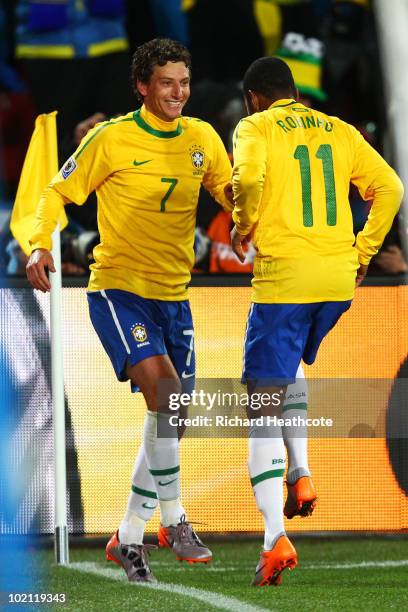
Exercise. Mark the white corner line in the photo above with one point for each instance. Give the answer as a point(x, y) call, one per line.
point(222, 602)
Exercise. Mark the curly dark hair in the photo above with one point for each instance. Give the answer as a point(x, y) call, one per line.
point(156, 52)
point(269, 76)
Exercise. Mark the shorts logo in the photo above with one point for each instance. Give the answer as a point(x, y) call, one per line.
point(68, 168)
point(139, 332)
point(197, 158)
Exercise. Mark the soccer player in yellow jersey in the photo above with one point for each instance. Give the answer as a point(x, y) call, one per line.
point(146, 168)
point(292, 171)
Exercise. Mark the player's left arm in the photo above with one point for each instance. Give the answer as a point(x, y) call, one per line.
point(248, 175)
point(217, 179)
point(375, 180)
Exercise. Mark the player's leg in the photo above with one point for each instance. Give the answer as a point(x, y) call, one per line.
point(325, 316)
point(301, 498)
point(142, 502)
point(295, 435)
point(126, 328)
point(161, 444)
point(266, 365)
point(266, 464)
point(179, 340)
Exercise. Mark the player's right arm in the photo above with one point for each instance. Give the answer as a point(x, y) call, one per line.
point(46, 219)
point(79, 176)
point(248, 175)
point(217, 179)
point(376, 181)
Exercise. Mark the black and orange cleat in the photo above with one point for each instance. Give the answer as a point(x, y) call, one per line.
point(301, 499)
point(132, 557)
point(272, 563)
point(184, 542)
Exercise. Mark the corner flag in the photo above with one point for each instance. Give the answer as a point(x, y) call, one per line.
point(40, 166)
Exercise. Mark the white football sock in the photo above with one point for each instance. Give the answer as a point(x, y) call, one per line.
point(131, 530)
point(295, 437)
point(142, 502)
point(162, 457)
point(266, 468)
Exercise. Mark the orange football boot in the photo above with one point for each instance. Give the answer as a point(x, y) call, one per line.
point(301, 499)
point(272, 563)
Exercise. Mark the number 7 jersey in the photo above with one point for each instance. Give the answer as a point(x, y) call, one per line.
point(291, 178)
point(147, 175)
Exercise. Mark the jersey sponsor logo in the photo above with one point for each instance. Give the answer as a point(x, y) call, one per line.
point(68, 168)
point(277, 461)
point(139, 332)
point(140, 163)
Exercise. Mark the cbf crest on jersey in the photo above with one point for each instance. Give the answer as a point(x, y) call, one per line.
point(139, 332)
point(197, 156)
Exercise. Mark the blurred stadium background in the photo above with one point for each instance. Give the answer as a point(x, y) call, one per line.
point(334, 48)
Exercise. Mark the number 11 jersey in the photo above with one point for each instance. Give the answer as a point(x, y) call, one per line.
point(291, 178)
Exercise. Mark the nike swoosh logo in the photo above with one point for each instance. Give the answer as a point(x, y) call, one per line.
point(149, 507)
point(164, 484)
point(136, 163)
point(184, 375)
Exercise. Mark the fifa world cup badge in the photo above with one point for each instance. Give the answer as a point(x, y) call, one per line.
point(68, 168)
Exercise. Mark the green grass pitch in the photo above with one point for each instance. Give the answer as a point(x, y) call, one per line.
point(333, 574)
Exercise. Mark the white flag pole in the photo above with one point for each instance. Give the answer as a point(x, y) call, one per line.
point(392, 24)
point(58, 401)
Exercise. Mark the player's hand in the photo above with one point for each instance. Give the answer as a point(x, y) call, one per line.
point(229, 193)
point(36, 267)
point(361, 274)
point(239, 244)
point(84, 126)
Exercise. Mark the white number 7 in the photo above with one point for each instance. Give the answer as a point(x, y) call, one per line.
point(189, 332)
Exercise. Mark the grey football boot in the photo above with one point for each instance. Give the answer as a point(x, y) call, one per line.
point(132, 557)
point(184, 542)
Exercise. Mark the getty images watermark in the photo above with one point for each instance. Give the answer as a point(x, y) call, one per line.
point(228, 401)
point(319, 408)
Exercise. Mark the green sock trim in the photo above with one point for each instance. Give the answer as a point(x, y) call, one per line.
point(165, 472)
point(266, 476)
point(143, 492)
point(300, 406)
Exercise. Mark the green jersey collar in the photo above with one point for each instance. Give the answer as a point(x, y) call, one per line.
point(150, 130)
point(283, 102)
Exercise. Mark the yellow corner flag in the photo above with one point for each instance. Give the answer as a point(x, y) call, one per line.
point(40, 166)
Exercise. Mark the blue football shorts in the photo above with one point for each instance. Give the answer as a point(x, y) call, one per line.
point(132, 328)
point(278, 336)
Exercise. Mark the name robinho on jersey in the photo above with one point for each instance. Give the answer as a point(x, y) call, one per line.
point(291, 122)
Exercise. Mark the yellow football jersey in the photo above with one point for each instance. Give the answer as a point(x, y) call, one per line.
point(147, 175)
point(292, 172)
